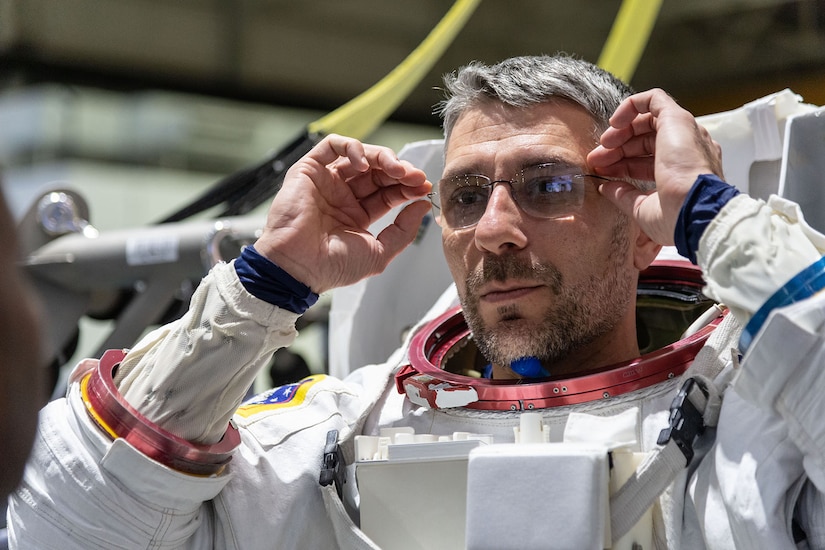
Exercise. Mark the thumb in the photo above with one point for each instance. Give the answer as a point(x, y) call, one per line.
point(398, 235)
point(625, 196)
point(642, 207)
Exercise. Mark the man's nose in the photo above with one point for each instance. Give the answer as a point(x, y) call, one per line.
point(500, 228)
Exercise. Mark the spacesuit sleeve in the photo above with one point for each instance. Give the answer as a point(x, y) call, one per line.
point(81, 490)
point(189, 377)
point(750, 251)
point(752, 248)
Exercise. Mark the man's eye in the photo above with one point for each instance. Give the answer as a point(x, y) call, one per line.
point(467, 196)
point(546, 186)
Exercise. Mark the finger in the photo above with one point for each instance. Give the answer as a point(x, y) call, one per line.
point(374, 176)
point(652, 101)
point(364, 167)
point(398, 235)
point(391, 169)
point(641, 124)
point(642, 207)
point(637, 147)
point(627, 111)
point(364, 185)
point(637, 168)
point(385, 159)
point(379, 159)
point(602, 156)
point(343, 167)
point(333, 146)
point(627, 197)
point(386, 198)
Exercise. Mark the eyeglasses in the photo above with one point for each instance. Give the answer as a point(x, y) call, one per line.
point(549, 190)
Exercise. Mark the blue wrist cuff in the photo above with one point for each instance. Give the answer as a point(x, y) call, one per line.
point(804, 284)
point(704, 200)
point(265, 280)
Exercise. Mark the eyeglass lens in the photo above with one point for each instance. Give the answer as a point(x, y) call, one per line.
point(544, 191)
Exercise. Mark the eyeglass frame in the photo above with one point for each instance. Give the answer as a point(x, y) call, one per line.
point(519, 180)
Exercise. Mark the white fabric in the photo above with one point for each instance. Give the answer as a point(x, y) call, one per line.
point(241, 334)
point(748, 233)
point(800, 177)
point(82, 491)
point(790, 390)
point(662, 466)
point(752, 137)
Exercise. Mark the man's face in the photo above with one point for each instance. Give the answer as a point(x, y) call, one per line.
point(557, 289)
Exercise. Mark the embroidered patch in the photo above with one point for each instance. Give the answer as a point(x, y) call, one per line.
point(289, 395)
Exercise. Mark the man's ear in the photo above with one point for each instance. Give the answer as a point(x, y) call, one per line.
point(645, 250)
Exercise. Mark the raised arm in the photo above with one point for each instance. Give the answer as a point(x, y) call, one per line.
point(651, 138)
point(760, 258)
point(317, 226)
point(747, 249)
point(130, 433)
point(190, 377)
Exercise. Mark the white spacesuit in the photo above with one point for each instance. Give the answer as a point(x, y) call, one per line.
point(105, 472)
point(761, 481)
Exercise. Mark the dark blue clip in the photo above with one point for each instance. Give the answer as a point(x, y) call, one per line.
point(685, 421)
point(333, 469)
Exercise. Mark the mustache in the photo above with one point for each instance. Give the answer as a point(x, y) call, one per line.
point(501, 268)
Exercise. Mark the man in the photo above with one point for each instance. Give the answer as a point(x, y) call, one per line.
point(545, 249)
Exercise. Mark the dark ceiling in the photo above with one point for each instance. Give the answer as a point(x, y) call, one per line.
point(711, 55)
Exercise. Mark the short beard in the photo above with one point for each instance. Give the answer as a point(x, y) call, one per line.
point(580, 313)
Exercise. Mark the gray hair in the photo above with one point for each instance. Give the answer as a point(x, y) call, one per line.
point(528, 80)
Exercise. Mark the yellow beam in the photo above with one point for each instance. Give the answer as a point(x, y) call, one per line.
point(364, 113)
point(628, 37)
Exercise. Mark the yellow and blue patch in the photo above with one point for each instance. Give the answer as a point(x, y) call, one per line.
point(290, 395)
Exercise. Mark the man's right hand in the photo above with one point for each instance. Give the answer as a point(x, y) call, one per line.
point(317, 226)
